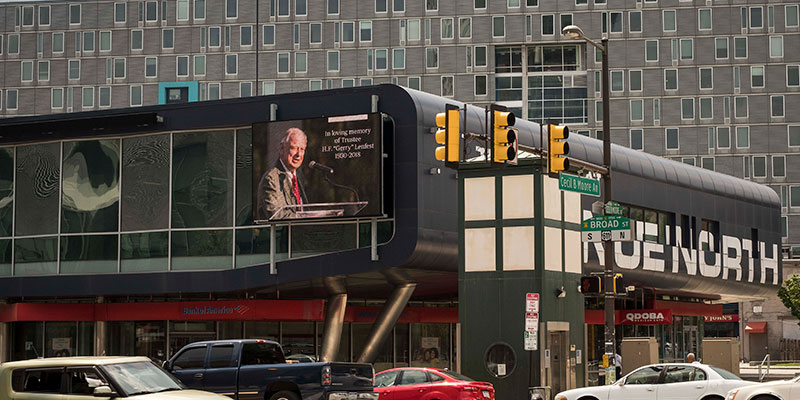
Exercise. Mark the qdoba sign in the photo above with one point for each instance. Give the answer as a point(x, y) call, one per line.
point(632, 317)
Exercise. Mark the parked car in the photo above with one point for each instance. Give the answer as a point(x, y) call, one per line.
point(256, 369)
point(430, 383)
point(80, 378)
point(671, 381)
point(776, 390)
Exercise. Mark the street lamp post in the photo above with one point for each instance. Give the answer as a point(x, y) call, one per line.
point(575, 32)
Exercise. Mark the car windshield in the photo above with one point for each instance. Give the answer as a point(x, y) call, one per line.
point(456, 375)
point(725, 374)
point(141, 378)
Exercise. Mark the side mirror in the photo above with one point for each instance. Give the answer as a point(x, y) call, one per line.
point(166, 365)
point(104, 391)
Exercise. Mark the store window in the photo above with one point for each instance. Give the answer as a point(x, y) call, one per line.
point(298, 338)
point(430, 345)
point(138, 338)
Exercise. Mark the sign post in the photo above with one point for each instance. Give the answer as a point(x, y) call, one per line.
point(531, 335)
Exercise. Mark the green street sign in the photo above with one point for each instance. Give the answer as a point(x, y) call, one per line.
point(574, 183)
point(613, 208)
point(606, 223)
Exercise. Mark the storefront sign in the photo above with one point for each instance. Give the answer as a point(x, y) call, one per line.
point(631, 317)
point(721, 318)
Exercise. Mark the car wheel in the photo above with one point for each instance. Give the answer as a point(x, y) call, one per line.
point(765, 397)
point(714, 398)
point(588, 398)
point(285, 395)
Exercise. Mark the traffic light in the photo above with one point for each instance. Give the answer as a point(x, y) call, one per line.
point(591, 284)
point(619, 284)
point(448, 134)
point(504, 139)
point(557, 150)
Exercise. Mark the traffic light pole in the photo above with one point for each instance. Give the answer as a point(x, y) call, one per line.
point(608, 246)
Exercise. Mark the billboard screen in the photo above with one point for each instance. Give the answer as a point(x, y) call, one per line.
point(326, 167)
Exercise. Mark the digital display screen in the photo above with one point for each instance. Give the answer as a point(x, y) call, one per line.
point(328, 167)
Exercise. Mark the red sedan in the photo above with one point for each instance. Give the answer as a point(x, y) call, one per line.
point(429, 384)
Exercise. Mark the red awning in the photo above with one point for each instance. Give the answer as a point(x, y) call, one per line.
point(756, 327)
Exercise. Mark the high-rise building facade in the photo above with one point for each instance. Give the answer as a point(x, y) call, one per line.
point(713, 83)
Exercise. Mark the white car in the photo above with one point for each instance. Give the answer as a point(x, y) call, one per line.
point(777, 390)
point(672, 381)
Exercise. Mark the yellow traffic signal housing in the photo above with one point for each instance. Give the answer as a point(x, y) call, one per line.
point(557, 149)
point(619, 284)
point(504, 139)
point(448, 134)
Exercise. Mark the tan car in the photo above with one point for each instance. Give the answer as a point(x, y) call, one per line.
point(82, 378)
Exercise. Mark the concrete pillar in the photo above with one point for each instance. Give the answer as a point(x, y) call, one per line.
point(5, 346)
point(100, 334)
point(386, 320)
point(335, 306)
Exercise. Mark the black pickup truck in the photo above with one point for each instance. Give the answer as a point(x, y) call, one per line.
point(255, 369)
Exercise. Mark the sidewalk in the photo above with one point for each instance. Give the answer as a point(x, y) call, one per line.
point(750, 372)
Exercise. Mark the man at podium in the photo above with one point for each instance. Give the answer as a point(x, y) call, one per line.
point(281, 186)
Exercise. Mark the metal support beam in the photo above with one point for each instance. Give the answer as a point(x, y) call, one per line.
point(100, 334)
point(334, 318)
point(386, 320)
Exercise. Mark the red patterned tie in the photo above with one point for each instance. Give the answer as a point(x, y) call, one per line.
point(296, 189)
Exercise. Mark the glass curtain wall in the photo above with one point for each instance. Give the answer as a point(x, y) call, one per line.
point(173, 201)
point(51, 339)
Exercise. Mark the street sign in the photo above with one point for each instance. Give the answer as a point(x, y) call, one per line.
point(532, 303)
point(574, 183)
point(531, 340)
point(613, 208)
point(531, 321)
point(607, 228)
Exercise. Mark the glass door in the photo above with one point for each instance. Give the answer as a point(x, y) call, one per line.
point(182, 333)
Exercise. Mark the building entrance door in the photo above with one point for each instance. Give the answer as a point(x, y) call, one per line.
point(558, 361)
point(691, 340)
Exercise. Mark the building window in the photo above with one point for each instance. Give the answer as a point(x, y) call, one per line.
point(617, 81)
point(269, 35)
point(245, 36)
point(687, 49)
point(616, 22)
point(150, 67)
point(231, 8)
point(88, 41)
point(637, 110)
point(333, 7)
point(706, 108)
point(214, 91)
point(668, 23)
point(151, 11)
point(651, 50)
point(57, 98)
point(792, 16)
point(365, 31)
point(58, 42)
point(333, 61)
point(12, 96)
point(465, 28)
point(300, 7)
point(480, 56)
point(672, 139)
point(137, 40)
point(776, 46)
point(756, 17)
point(446, 28)
point(778, 166)
point(315, 33)
point(759, 167)
point(199, 9)
point(182, 10)
point(432, 57)
point(740, 47)
point(776, 103)
point(656, 109)
point(231, 64)
point(105, 96)
point(481, 85)
point(283, 63)
point(167, 38)
point(199, 65)
point(87, 97)
point(399, 6)
point(431, 5)
point(119, 68)
point(182, 69)
point(26, 71)
point(268, 88)
point(44, 71)
point(794, 135)
point(706, 78)
point(757, 76)
point(74, 69)
point(447, 86)
point(707, 163)
point(742, 137)
point(398, 58)
point(136, 95)
point(687, 108)
point(670, 79)
point(723, 137)
point(793, 75)
point(740, 107)
point(74, 14)
point(413, 29)
point(548, 25)
point(301, 62)
point(721, 48)
point(44, 15)
point(635, 78)
point(105, 41)
point(637, 139)
point(634, 21)
point(499, 27)
point(704, 19)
